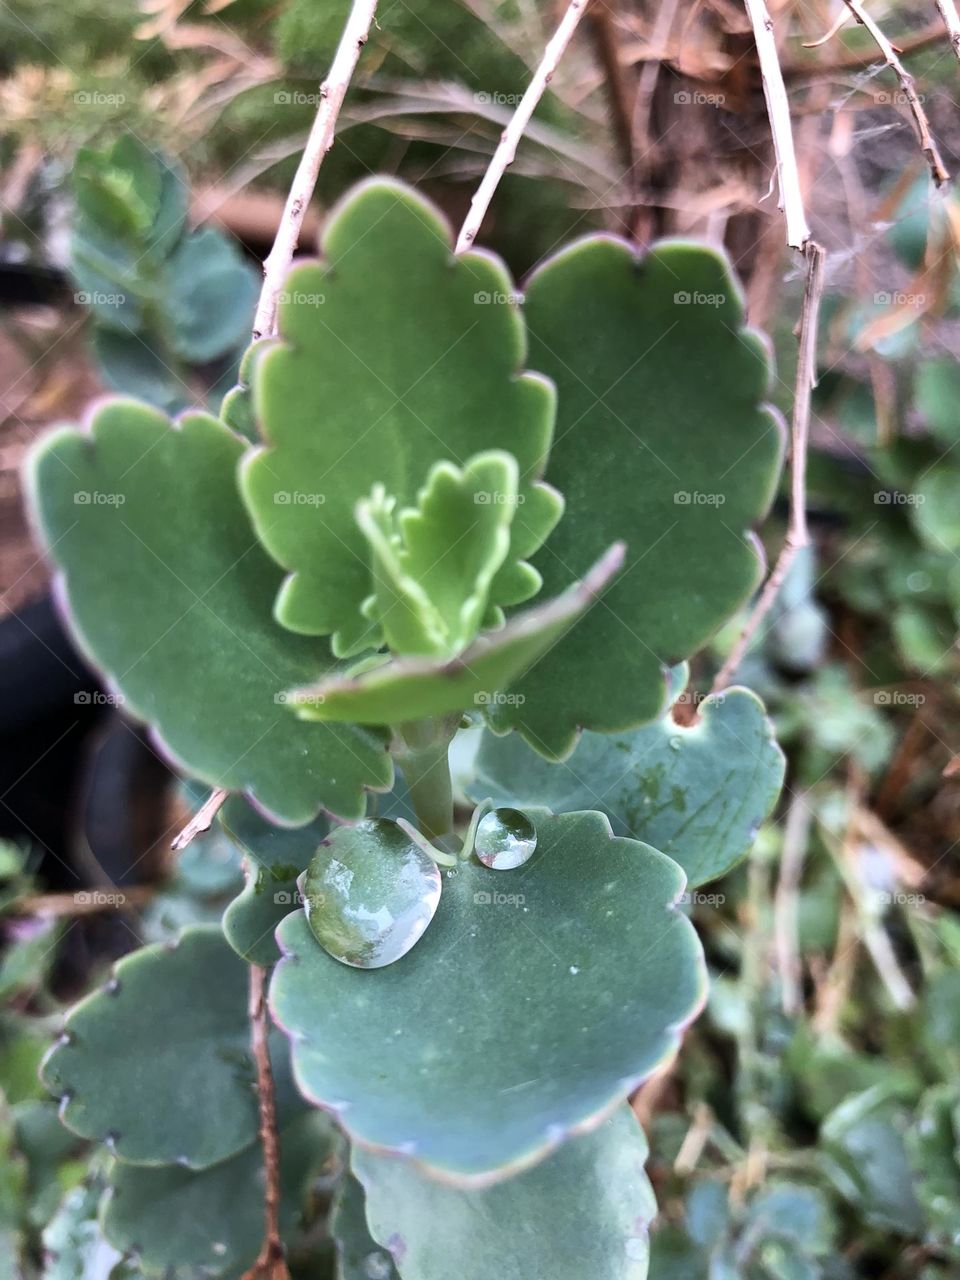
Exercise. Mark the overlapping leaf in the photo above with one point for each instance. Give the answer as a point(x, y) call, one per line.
point(394, 356)
point(433, 564)
point(275, 857)
point(184, 1223)
point(534, 1001)
point(414, 688)
point(157, 1062)
point(593, 1193)
point(661, 440)
point(170, 593)
point(697, 793)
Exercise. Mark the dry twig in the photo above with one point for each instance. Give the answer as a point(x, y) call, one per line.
point(907, 83)
point(270, 1265)
point(948, 12)
point(202, 819)
point(510, 138)
point(319, 141)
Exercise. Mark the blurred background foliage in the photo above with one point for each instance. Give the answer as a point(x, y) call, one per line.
point(811, 1125)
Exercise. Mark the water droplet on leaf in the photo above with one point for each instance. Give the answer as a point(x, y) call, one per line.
point(370, 893)
point(377, 1266)
point(506, 838)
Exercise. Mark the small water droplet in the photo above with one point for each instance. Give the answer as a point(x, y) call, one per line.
point(377, 1266)
point(506, 839)
point(636, 1249)
point(574, 969)
point(370, 892)
point(112, 986)
point(110, 1141)
point(675, 744)
point(219, 1248)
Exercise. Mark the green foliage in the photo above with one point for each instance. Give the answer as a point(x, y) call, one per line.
point(182, 1223)
point(697, 793)
point(661, 440)
point(600, 1201)
point(165, 299)
point(424, 351)
point(573, 1033)
point(155, 1107)
point(148, 514)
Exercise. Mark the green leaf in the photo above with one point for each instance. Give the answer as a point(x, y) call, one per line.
point(275, 858)
point(938, 398)
point(662, 441)
point(697, 793)
point(178, 1220)
point(358, 1255)
point(933, 1150)
point(415, 688)
point(864, 1137)
point(128, 364)
point(433, 564)
point(73, 1244)
point(584, 1211)
point(535, 1001)
point(209, 296)
point(156, 1063)
point(935, 510)
point(170, 594)
point(395, 356)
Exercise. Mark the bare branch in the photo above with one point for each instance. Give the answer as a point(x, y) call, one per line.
point(948, 12)
point(510, 138)
point(319, 141)
point(908, 84)
point(797, 533)
point(270, 1265)
point(778, 111)
point(202, 820)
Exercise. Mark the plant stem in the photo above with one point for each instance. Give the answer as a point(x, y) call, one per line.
point(423, 757)
point(270, 1264)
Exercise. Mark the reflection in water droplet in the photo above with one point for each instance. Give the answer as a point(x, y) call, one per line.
point(370, 893)
point(506, 838)
point(675, 744)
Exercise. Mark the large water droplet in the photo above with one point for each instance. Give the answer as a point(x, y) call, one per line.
point(369, 894)
point(506, 838)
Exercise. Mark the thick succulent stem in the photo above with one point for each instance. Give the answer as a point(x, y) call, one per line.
point(423, 757)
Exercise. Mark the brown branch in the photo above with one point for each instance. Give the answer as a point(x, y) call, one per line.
point(319, 141)
point(796, 834)
point(271, 1263)
point(802, 70)
point(510, 138)
point(618, 96)
point(202, 820)
point(797, 533)
point(927, 144)
point(948, 11)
